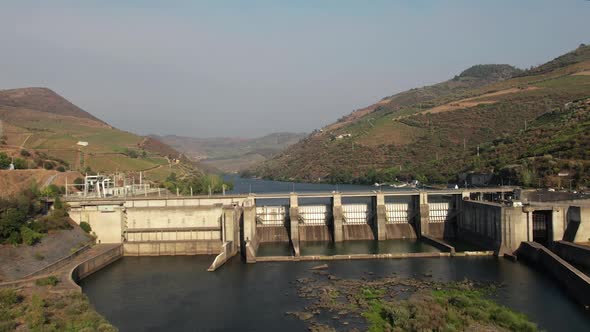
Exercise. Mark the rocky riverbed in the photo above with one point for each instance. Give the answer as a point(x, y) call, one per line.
point(402, 304)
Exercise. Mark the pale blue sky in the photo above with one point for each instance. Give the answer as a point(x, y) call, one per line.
point(247, 68)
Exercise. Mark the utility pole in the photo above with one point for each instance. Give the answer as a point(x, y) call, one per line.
point(524, 125)
point(478, 150)
point(464, 144)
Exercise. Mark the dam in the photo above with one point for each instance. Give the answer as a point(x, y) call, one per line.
point(224, 225)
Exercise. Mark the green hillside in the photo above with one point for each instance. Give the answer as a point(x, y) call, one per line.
point(43, 129)
point(433, 133)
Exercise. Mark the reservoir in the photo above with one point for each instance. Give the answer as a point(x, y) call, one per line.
point(176, 293)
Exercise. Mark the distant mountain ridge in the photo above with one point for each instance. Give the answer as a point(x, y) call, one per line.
point(433, 132)
point(231, 154)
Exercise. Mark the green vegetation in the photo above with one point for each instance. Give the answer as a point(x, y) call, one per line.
point(48, 311)
point(85, 227)
point(398, 304)
point(9, 299)
point(49, 281)
point(496, 72)
point(449, 309)
point(196, 184)
point(21, 219)
point(4, 160)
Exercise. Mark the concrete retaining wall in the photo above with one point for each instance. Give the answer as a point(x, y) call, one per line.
point(96, 263)
point(573, 253)
point(438, 244)
point(576, 283)
point(163, 248)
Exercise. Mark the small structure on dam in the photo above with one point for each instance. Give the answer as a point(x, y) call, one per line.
point(226, 225)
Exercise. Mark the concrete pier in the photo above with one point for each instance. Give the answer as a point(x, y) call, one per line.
point(294, 224)
point(338, 216)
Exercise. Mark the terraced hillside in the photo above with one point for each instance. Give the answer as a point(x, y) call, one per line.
point(43, 129)
point(435, 132)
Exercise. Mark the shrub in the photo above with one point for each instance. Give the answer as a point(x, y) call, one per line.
point(25, 153)
point(4, 160)
point(85, 227)
point(36, 316)
point(14, 238)
point(38, 256)
point(29, 236)
point(49, 281)
point(20, 163)
point(61, 169)
point(9, 297)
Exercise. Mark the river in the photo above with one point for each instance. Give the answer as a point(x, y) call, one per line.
point(178, 294)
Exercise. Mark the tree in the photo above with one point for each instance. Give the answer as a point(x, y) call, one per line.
point(4, 160)
point(20, 163)
point(85, 227)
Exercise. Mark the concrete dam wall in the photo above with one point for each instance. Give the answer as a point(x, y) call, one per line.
point(215, 225)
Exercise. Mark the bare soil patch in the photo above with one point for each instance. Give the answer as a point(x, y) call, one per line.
point(474, 101)
point(12, 182)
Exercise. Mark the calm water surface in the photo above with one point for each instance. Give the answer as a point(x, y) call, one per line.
point(249, 185)
point(177, 294)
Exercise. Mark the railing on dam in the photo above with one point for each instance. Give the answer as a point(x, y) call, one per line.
point(398, 213)
point(315, 214)
point(271, 215)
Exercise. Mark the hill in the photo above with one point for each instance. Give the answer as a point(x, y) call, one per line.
point(43, 129)
point(43, 100)
point(231, 154)
point(433, 133)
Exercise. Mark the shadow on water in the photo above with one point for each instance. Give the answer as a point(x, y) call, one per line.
point(177, 294)
point(365, 247)
point(329, 248)
point(461, 246)
point(274, 249)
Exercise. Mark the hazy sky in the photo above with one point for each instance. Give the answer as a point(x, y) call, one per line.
point(247, 68)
